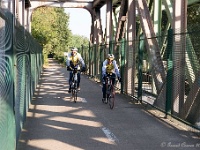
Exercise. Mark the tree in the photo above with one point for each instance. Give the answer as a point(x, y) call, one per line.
point(79, 41)
point(50, 29)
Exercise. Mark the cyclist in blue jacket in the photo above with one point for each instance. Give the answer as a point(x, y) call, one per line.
point(109, 67)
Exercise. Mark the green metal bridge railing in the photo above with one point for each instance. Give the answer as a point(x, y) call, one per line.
point(144, 86)
point(20, 68)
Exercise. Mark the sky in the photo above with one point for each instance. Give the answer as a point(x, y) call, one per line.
point(80, 21)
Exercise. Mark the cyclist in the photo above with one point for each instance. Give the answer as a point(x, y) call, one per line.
point(75, 60)
point(109, 66)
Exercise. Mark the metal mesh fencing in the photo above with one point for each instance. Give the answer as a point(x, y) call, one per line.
point(166, 76)
point(20, 67)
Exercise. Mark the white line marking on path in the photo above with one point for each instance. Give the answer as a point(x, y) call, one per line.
point(111, 137)
point(83, 100)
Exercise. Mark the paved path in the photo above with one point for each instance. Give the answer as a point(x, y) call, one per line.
point(55, 122)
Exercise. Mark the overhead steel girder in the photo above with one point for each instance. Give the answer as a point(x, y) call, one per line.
point(97, 28)
point(72, 1)
point(27, 4)
point(100, 3)
point(116, 3)
point(86, 5)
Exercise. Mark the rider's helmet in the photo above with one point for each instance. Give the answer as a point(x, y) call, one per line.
point(110, 57)
point(74, 50)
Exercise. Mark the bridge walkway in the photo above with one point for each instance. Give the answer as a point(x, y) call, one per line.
point(55, 122)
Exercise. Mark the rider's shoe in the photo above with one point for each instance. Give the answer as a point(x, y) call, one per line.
point(69, 91)
point(106, 101)
point(78, 88)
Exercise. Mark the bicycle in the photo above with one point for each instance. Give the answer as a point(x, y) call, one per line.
point(110, 91)
point(74, 84)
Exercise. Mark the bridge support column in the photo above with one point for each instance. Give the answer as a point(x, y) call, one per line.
point(20, 6)
point(131, 36)
point(10, 5)
point(109, 26)
point(27, 20)
point(179, 26)
point(97, 38)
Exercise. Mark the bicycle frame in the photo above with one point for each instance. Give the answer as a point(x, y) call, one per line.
point(110, 92)
point(74, 84)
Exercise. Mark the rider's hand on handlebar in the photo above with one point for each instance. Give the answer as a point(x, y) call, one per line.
point(69, 68)
point(83, 69)
point(104, 76)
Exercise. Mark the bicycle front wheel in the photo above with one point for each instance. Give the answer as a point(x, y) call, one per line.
point(75, 96)
point(111, 100)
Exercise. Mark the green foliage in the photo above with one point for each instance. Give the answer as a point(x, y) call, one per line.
point(50, 27)
point(79, 41)
point(193, 27)
point(194, 14)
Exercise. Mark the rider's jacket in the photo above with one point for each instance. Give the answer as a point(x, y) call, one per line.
point(75, 60)
point(110, 68)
